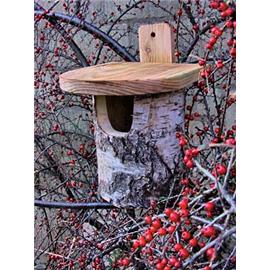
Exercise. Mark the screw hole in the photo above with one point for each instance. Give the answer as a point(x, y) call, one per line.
point(153, 34)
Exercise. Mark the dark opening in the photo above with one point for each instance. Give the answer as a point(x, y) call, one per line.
point(120, 110)
point(153, 34)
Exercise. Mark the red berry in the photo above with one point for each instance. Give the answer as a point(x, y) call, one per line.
point(73, 183)
point(187, 222)
point(188, 153)
point(153, 229)
point(229, 24)
point(217, 130)
point(142, 241)
point(172, 260)
point(230, 132)
point(222, 6)
point(177, 53)
point(233, 259)
point(219, 64)
point(186, 235)
point(217, 32)
point(171, 241)
point(159, 266)
point(195, 152)
point(182, 142)
point(168, 211)
point(214, 4)
point(162, 231)
point(186, 159)
point(125, 262)
point(231, 141)
point(184, 181)
point(184, 253)
point(193, 242)
point(164, 261)
point(201, 244)
point(229, 12)
point(178, 247)
point(207, 268)
point(210, 253)
point(212, 41)
point(171, 229)
point(148, 220)
point(195, 27)
point(209, 231)
point(69, 152)
point(177, 265)
point(136, 244)
point(183, 204)
point(153, 203)
point(184, 213)
point(157, 223)
point(72, 162)
point(56, 127)
point(209, 47)
point(148, 237)
point(202, 62)
point(209, 206)
point(215, 140)
point(174, 216)
point(230, 42)
point(221, 169)
point(179, 12)
point(190, 164)
point(233, 52)
point(223, 14)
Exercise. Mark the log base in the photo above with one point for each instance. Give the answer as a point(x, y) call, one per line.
point(135, 166)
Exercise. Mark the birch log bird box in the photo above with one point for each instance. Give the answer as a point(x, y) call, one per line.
point(138, 109)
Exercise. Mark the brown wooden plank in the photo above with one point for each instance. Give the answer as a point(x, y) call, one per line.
point(129, 78)
point(156, 43)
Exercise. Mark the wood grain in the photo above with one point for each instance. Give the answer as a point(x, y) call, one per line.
point(156, 43)
point(126, 78)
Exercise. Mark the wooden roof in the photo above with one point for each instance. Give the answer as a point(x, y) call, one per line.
point(129, 78)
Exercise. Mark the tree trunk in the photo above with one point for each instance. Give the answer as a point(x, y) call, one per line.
point(135, 166)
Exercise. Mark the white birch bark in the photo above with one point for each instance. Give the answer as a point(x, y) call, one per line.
point(136, 166)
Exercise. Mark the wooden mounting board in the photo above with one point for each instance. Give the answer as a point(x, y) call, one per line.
point(156, 43)
point(127, 78)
